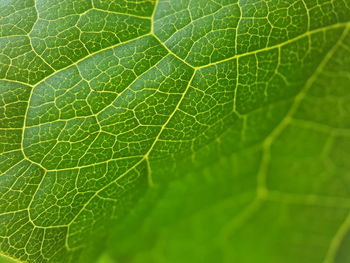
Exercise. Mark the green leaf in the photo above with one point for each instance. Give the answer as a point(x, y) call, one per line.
point(105, 101)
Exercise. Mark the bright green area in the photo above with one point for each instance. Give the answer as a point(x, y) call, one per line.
point(175, 131)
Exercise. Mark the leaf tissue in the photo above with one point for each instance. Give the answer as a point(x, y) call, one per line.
point(175, 131)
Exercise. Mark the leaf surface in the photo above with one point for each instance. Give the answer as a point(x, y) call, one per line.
point(101, 100)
